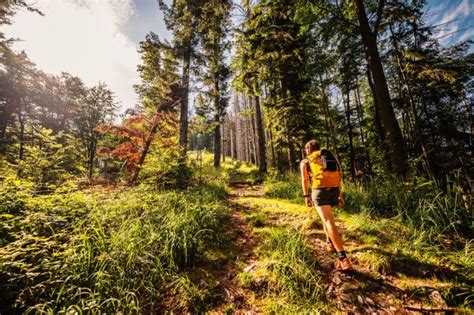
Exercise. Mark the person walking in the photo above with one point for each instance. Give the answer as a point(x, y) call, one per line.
point(321, 172)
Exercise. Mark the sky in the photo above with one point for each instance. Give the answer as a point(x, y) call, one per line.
point(97, 40)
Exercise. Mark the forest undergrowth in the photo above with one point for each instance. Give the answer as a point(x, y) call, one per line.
point(144, 250)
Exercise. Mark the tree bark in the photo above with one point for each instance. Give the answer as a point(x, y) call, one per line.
point(217, 129)
point(397, 148)
point(183, 119)
point(262, 159)
point(347, 107)
point(91, 153)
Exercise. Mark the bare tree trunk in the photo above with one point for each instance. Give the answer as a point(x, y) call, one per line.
point(272, 145)
point(223, 130)
point(347, 107)
point(232, 142)
point(183, 119)
point(254, 137)
point(262, 159)
point(217, 130)
point(91, 155)
point(21, 120)
point(5, 115)
point(291, 151)
point(390, 125)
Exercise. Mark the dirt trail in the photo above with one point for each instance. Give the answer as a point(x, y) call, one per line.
point(355, 292)
point(236, 295)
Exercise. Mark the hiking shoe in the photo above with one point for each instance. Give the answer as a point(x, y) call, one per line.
point(342, 265)
point(330, 247)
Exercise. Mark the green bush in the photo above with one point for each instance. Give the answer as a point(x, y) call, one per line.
point(163, 170)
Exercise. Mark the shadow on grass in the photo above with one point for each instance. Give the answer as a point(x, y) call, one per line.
point(412, 267)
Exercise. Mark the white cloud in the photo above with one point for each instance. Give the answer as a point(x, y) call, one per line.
point(451, 21)
point(81, 37)
point(469, 34)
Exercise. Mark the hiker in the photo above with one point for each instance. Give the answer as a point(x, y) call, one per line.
point(321, 171)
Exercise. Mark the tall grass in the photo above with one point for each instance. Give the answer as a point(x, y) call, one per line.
point(289, 188)
point(119, 251)
point(292, 281)
point(420, 203)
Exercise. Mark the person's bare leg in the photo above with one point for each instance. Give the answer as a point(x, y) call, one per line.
point(329, 225)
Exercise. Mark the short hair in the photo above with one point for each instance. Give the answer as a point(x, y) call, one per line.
point(312, 146)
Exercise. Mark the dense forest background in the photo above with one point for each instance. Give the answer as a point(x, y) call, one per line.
point(249, 82)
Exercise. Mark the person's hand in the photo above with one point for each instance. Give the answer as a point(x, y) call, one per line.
point(340, 202)
point(308, 201)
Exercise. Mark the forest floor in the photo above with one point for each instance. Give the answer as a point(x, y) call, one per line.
point(378, 283)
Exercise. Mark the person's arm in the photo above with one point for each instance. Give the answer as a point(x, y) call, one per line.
point(305, 182)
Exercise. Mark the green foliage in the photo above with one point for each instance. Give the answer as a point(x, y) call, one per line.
point(163, 170)
point(13, 195)
point(108, 251)
point(55, 159)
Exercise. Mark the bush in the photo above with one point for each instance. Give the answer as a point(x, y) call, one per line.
point(164, 171)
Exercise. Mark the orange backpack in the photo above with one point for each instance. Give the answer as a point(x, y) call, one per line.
point(324, 169)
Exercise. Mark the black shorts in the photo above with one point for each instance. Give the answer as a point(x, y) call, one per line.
point(325, 196)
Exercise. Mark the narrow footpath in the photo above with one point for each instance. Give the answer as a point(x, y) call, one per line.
point(248, 284)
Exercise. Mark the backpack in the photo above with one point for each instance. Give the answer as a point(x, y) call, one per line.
point(324, 169)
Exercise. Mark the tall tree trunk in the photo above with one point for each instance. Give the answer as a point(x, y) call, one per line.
point(253, 137)
point(183, 119)
point(91, 155)
point(398, 152)
point(217, 129)
point(360, 115)
point(5, 115)
point(262, 159)
point(378, 124)
point(347, 107)
point(21, 120)
point(291, 150)
point(223, 147)
point(232, 142)
point(272, 144)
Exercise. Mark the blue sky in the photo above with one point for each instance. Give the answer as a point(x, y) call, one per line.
point(97, 40)
point(454, 17)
